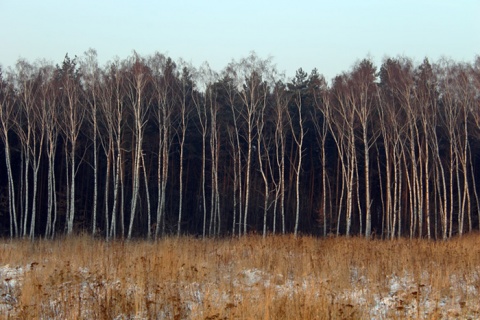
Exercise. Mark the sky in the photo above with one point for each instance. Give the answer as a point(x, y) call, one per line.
point(328, 35)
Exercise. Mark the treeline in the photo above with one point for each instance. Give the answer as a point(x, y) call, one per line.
point(146, 147)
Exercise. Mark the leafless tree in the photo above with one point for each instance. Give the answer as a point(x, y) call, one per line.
point(72, 115)
point(7, 121)
point(186, 92)
point(410, 143)
point(49, 105)
point(32, 132)
point(208, 77)
point(91, 75)
point(393, 125)
point(458, 96)
point(250, 74)
point(320, 122)
point(282, 100)
point(233, 131)
point(362, 99)
point(138, 77)
point(263, 145)
point(298, 89)
point(113, 115)
point(163, 70)
point(342, 126)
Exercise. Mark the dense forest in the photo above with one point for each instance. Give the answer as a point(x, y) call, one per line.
point(148, 147)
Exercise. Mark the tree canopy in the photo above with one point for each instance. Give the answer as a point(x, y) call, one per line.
point(147, 147)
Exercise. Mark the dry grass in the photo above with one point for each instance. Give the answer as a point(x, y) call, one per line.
point(279, 277)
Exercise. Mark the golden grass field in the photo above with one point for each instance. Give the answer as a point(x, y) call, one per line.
point(277, 277)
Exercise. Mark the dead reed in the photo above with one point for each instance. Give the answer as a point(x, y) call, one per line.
point(278, 277)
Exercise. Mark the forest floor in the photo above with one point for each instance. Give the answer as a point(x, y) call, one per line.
point(279, 277)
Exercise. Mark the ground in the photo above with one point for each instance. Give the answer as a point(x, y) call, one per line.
point(278, 277)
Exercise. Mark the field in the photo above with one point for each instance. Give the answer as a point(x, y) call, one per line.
point(279, 277)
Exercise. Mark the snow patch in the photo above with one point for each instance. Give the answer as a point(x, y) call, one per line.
point(404, 296)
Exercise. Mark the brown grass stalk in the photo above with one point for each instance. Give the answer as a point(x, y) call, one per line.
point(279, 277)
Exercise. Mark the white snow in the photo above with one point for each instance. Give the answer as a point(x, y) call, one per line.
point(10, 278)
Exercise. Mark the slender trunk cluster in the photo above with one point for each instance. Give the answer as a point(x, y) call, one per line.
point(144, 148)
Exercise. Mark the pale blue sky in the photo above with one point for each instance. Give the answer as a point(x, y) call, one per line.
point(329, 35)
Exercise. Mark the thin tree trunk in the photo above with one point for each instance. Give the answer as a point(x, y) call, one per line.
point(11, 194)
point(247, 178)
point(399, 195)
point(396, 191)
point(264, 177)
point(36, 167)
point(122, 201)
point(116, 181)
point(351, 175)
point(147, 194)
point(341, 175)
point(159, 182)
point(217, 191)
point(451, 189)
point(324, 180)
point(235, 186)
point(55, 205)
point(95, 175)
point(27, 192)
point(282, 186)
point(213, 152)
point(180, 191)
point(107, 189)
point(297, 189)
point(359, 205)
point(460, 200)
point(204, 197)
point(382, 199)
point(71, 215)
point(238, 155)
point(477, 201)
point(427, 189)
point(368, 204)
point(48, 227)
point(136, 182)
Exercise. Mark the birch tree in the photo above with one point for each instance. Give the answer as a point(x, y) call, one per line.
point(393, 123)
point(137, 80)
point(31, 133)
point(213, 107)
point(27, 129)
point(91, 75)
point(72, 119)
point(7, 121)
point(298, 88)
point(263, 152)
point(186, 93)
point(208, 78)
point(320, 121)
point(113, 115)
point(362, 101)
point(49, 104)
point(164, 83)
point(230, 91)
point(343, 132)
point(249, 72)
point(281, 102)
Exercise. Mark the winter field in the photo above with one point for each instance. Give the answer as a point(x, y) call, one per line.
point(279, 277)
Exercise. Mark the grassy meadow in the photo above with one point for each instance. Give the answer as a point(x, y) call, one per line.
point(277, 277)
